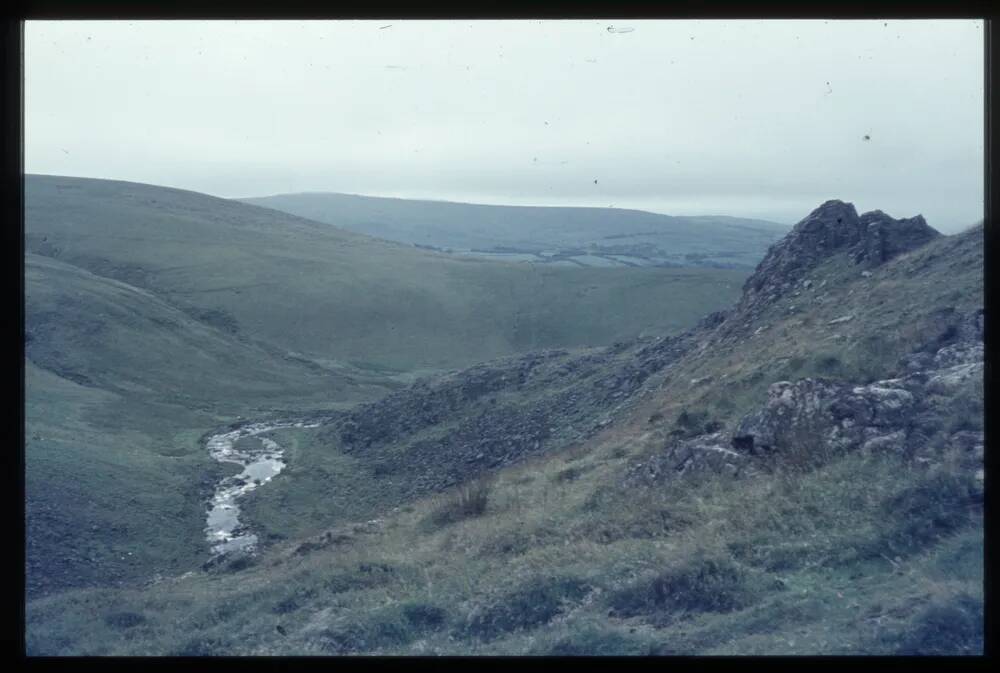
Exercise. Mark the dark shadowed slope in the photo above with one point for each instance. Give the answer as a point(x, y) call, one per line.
point(586, 236)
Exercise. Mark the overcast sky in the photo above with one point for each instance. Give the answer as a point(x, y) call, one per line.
point(748, 118)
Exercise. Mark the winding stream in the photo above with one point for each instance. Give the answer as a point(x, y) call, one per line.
point(260, 464)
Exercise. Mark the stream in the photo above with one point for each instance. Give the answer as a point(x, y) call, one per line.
point(260, 464)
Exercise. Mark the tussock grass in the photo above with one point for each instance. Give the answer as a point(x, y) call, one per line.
point(391, 626)
point(470, 500)
point(947, 626)
point(531, 605)
point(750, 566)
point(699, 584)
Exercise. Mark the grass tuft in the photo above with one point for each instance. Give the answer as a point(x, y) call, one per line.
point(708, 583)
point(469, 502)
point(535, 603)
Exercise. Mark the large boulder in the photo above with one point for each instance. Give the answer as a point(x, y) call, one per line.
point(823, 415)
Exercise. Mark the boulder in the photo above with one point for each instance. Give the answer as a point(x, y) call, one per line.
point(906, 415)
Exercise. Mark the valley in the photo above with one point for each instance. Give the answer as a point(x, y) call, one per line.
point(686, 485)
point(351, 337)
point(155, 316)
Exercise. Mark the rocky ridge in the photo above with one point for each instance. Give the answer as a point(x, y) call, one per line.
point(915, 412)
point(870, 239)
point(444, 431)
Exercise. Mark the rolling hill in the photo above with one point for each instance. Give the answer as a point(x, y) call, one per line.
point(343, 300)
point(155, 315)
point(596, 237)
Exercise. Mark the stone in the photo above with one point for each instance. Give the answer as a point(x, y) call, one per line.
point(955, 377)
point(906, 414)
point(894, 441)
point(835, 226)
point(884, 237)
point(958, 354)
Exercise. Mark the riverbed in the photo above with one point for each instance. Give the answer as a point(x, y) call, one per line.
point(260, 463)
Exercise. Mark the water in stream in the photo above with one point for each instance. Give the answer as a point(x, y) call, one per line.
point(260, 462)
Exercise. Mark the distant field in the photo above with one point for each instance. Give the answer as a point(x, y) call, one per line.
point(595, 237)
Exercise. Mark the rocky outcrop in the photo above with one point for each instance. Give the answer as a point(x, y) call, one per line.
point(442, 432)
point(919, 414)
point(821, 415)
point(958, 339)
point(883, 237)
point(871, 239)
point(713, 320)
point(424, 405)
point(446, 431)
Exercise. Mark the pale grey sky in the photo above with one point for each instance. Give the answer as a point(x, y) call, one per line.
point(747, 118)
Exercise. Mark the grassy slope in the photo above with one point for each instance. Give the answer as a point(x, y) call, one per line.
point(326, 485)
point(114, 336)
point(566, 559)
point(893, 310)
point(108, 498)
point(336, 297)
point(471, 226)
point(154, 315)
point(120, 387)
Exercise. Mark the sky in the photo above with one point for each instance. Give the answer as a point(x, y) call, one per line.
point(763, 119)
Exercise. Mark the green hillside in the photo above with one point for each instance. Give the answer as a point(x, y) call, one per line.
point(107, 334)
point(120, 387)
point(155, 315)
point(345, 300)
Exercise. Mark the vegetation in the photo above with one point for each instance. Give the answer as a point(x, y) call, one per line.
point(588, 236)
point(823, 563)
point(346, 303)
point(561, 552)
point(177, 313)
point(469, 502)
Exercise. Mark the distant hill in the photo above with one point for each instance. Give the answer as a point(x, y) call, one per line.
point(556, 235)
point(342, 299)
